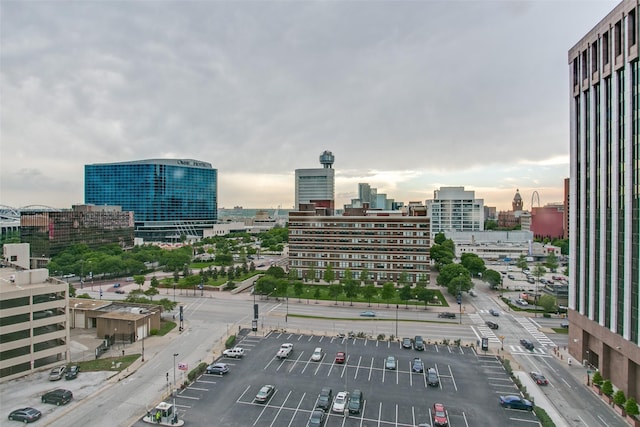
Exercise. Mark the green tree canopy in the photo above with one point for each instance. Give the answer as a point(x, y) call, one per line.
point(493, 278)
point(369, 291)
point(406, 294)
point(329, 275)
point(449, 272)
point(388, 292)
point(521, 262)
point(277, 272)
point(547, 302)
point(473, 263)
point(335, 290)
point(551, 261)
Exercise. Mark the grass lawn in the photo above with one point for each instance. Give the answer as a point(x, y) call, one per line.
point(108, 363)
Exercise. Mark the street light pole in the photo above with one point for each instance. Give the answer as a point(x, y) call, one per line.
point(396, 321)
point(174, 380)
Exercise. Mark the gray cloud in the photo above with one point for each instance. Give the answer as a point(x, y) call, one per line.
point(262, 88)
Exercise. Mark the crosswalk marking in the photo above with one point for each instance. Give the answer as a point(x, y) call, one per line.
point(530, 327)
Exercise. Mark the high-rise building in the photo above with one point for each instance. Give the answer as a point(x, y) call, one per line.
point(604, 237)
point(171, 198)
point(454, 209)
point(389, 246)
point(313, 185)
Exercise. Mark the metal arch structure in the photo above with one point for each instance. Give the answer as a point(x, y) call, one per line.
point(9, 213)
point(535, 196)
point(43, 208)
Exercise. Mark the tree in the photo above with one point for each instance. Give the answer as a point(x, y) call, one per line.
point(316, 293)
point(350, 286)
point(538, 272)
point(403, 278)
point(369, 291)
point(631, 407)
point(493, 278)
point(139, 280)
point(151, 292)
point(282, 287)
point(329, 275)
point(72, 291)
point(405, 294)
point(311, 274)
point(334, 291)
point(298, 288)
point(521, 262)
point(547, 302)
point(607, 388)
point(597, 378)
point(441, 256)
point(293, 274)
point(619, 398)
point(167, 304)
point(277, 272)
point(449, 272)
point(459, 284)
point(439, 238)
point(154, 282)
point(473, 263)
point(425, 295)
point(388, 292)
point(364, 275)
point(551, 262)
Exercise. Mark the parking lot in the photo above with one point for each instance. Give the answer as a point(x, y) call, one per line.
point(469, 385)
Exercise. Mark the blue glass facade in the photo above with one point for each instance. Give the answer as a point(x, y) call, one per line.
point(170, 198)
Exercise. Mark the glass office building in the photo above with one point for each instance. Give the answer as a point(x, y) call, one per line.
point(172, 199)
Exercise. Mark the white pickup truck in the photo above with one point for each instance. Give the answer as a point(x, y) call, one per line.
point(285, 351)
point(236, 352)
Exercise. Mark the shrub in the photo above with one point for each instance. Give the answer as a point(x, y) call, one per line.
point(597, 378)
point(153, 332)
point(507, 366)
point(544, 418)
point(230, 341)
point(619, 398)
point(631, 407)
point(381, 337)
point(197, 371)
point(607, 388)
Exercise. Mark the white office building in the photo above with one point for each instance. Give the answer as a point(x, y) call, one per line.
point(454, 209)
point(316, 184)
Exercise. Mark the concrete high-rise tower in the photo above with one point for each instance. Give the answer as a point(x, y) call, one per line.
point(316, 184)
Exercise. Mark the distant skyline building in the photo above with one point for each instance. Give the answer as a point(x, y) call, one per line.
point(316, 184)
point(172, 199)
point(604, 201)
point(454, 209)
point(510, 219)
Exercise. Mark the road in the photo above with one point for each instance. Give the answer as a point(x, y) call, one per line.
point(209, 319)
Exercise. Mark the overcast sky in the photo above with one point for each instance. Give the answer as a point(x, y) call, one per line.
point(409, 96)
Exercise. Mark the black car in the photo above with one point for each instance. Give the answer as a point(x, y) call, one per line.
point(406, 343)
point(527, 344)
point(26, 415)
point(447, 315)
point(325, 399)
point(57, 397)
point(491, 325)
point(418, 343)
point(72, 372)
point(355, 403)
point(317, 418)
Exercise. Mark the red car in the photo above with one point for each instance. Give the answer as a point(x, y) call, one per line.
point(439, 415)
point(340, 357)
point(539, 378)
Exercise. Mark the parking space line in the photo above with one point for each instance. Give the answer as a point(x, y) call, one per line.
point(293, 365)
point(521, 419)
point(183, 406)
point(436, 347)
point(206, 382)
point(264, 409)
point(199, 389)
point(452, 379)
point(280, 408)
point(297, 408)
point(355, 376)
point(245, 390)
point(370, 369)
point(188, 397)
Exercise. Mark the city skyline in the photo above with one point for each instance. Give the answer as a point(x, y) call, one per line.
point(261, 89)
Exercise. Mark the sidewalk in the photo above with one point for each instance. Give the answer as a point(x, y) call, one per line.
point(540, 399)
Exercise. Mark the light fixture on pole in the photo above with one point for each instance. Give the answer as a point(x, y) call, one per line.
point(397, 321)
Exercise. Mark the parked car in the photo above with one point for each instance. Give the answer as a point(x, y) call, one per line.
point(26, 415)
point(235, 352)
point(439, 415)
point(317, 418)
point(340, 357)
point(522, 302)
point(418, 343)
point(515, 402)
point(539, 378)
point(120, 291)
point(72, 372)
point(406, 343)
point(129, 279)
point(368, 313)
point(417, 365)
point(325, 398)
point(527, 344)
point(57, 373)
point(564, 325)
point(57, 397)
point(447, 315)
point(116, 285)
point(390, 362)
point(432, 377)
point(218, 369)
point(341, 401)
point(491, 325)
point(355, 402)
point(265, 393)
point(317, 355)
point(494, 312)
